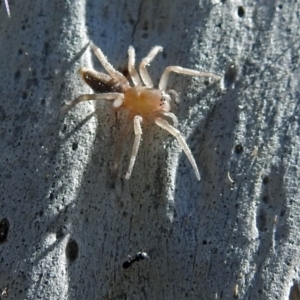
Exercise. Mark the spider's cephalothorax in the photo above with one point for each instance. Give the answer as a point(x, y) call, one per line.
point(142, 100)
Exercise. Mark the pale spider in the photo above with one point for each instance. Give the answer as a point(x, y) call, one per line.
point(142, 100)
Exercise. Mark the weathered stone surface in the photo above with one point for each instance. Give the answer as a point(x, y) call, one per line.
point(65, 231)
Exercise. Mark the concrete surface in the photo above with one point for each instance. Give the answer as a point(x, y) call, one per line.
point(65, 231)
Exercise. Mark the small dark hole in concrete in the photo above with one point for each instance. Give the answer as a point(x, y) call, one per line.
point(280, 7)
point(4, 227)
point(265, 199)
point(241, 11)
point(145, 27)
point(266, 180)
point(24, 95)
point(2, 114)
point(238, 149)
point(261, 221)
point(230, 75)
point(59, 233)
point(204, 242)
point(17, 75)
point(72, 250)
point(74, 146)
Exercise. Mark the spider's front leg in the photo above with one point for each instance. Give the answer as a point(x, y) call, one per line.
point(165, 76)
point(137, 140)
point(176, 133)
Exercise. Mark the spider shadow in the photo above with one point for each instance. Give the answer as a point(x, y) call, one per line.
point(198, 203)
point(76, 128)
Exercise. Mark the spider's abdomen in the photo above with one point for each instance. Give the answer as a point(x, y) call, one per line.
point(99, 82)
point(144, 101)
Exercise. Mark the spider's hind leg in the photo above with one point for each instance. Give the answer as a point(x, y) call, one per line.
point(107, 66)
point(116, 97)
point(131, 67)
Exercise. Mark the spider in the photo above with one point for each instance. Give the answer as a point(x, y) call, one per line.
point(142, 100)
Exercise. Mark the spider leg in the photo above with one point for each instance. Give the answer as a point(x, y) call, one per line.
point(165, 125)
point(174, 95)
point(131, 68)
point(165, 76)
point(117, 97)
point(107, 66)
point(7, 8)
point(146, 61)
point(138, 133)
point(172, 116)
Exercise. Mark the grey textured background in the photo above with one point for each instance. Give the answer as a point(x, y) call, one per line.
point(70, 230)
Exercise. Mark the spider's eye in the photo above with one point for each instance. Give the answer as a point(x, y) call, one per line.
point(165, 101)
point(165, 97)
